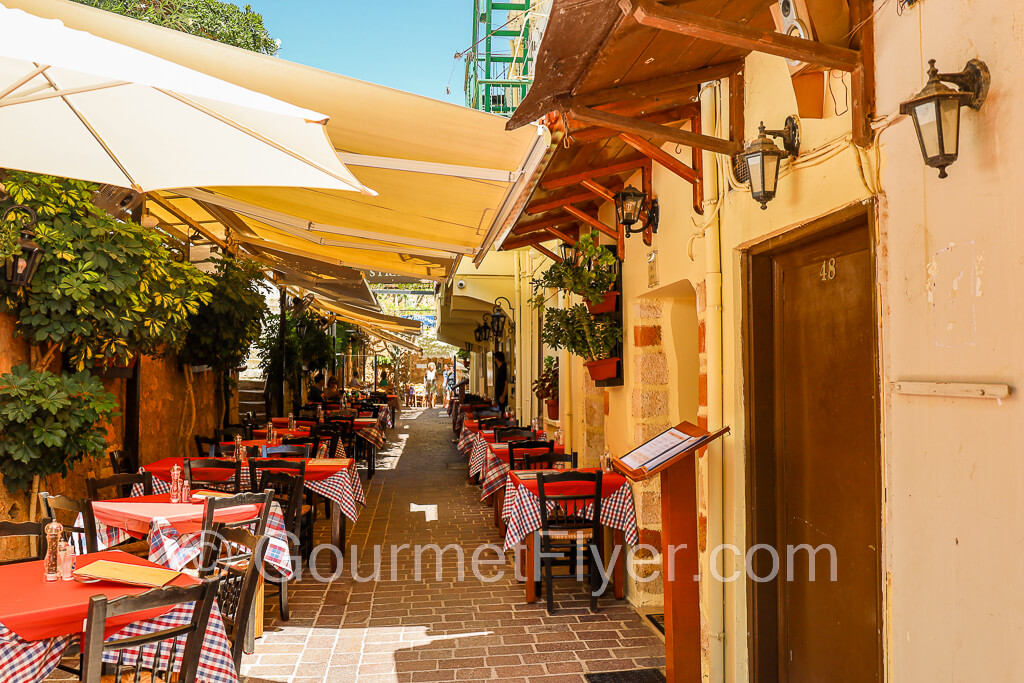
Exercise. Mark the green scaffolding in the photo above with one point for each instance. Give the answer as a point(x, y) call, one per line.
point(499, 65)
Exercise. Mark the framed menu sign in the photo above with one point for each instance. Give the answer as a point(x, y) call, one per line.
point(664, 449)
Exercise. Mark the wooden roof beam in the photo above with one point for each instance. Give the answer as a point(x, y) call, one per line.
point(575, 198)
point(568, 239)
point(657, 86)
point(531, 240)
point(535, 226)
point(596, 133)
point(611, 169)
point(592, 221)
point(742, 36)
point(625, 124)
point(655, 153)
point(547, 252)
point(600, 190)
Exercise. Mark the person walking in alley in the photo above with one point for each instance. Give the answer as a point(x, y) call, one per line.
point(430, 380)
point(447, 381)
point(500, 381)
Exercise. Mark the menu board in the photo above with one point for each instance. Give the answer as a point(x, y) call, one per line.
point(658, 453)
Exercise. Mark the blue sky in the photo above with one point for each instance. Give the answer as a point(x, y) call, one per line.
point(399, 43)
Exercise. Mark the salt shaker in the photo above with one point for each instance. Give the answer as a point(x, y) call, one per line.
point(51, 566)
point(186, 491)
point(66, 560)
point(175, 484)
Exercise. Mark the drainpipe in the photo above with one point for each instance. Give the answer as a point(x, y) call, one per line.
point(713, 346)
point(516, 348)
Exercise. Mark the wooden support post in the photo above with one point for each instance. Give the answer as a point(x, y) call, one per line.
point(562, 236)
point(652, 151)
point(547, 252)
point(599, 190)
point(652, 130)
point(733, 34)
point(863, 79)
point(681, 557)
point(697, 163)
point(611, 169)
point(648, 188)
point(737, 91)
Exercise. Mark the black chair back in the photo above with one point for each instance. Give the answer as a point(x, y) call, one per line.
point(330, 434)
point(232, 485)
point(120, 463)
point(503, 434)
point(164, 644)
point(300, 451)
point(66, 511)
point(550, 461)
point(120, 483)
point(25, 530)
point(237, 561)
point(256, 525)
point(206, 446)
point(519, 450)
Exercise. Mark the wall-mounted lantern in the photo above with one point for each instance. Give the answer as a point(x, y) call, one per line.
point(763, 158)
point(936, 110)
point(22, 266)
point(633, 206)
point(499, 319)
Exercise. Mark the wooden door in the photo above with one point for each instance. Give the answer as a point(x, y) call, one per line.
point(823, 471)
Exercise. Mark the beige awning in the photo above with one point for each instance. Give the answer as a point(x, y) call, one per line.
point(447, 176)
point(364, 317)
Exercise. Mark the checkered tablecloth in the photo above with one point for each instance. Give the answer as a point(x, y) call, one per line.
point(31, 661)
point(466, 440)
point(373, 434)
point(522, 513)
point(343, 488)
point(478, 456)
point(384, 416)
point(172, 549)
point(495, 473)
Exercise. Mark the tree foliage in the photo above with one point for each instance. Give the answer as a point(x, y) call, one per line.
point(49, 422)
point(222, 330)
point(589, 272)
point(105, 289)
point(221, 21)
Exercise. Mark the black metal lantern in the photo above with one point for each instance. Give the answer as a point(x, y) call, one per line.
point(22, 266)
point(569, 253)
point(763, 158)
point(936, 111)
point(633, 206)
point(500, 320)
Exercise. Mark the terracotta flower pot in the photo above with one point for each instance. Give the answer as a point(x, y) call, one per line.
point(605, 368)
point(606, 306)
point(552, 409)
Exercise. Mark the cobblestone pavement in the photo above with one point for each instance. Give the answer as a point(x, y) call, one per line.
point(429, 629)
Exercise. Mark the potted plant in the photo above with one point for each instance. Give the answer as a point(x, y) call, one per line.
point(590, 272)
point(464, 357)
point(546, 386)
point(583, 334)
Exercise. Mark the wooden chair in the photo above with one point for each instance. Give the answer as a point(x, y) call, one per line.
point(550, 461)
point(238, 558)
point(121, 483)
point(311, 442)
point(164, 643)
point(231, 431)
point(66, 511)
point(503, 434)
point(519, 450)
point(329, 434)
point(120, 463)
point(257, 525)
point(25, 530)
point(232, 485)
point(570, 531)
point(298, 451)
point(206, 446)
point(288, 487)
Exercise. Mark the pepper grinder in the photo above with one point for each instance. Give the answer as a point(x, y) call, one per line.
point(51, 566)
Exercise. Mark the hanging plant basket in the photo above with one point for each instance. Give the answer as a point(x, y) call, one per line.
point(606, 306)
point(606, 368)
point(552, 408)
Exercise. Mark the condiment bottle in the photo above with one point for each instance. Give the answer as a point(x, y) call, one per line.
point(51, 563)
point(175, 484)
point(291, 421)
point(186, 491)
point(66, 560)
point(558, 436)
point(239, 448)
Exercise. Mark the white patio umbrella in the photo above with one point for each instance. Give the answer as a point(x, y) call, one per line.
point(76, 105)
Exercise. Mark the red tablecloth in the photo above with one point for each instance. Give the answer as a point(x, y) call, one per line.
point(283, 422)
point(136, 515)
point(161, 469)
point(39, 609)
point(522, 503)
point(496, 466)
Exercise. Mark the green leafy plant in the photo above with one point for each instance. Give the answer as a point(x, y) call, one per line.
point(49, 422)
point(546, 384)
point(308, 347)
point(590, 272)
point(105, 289)
point(222, 330)
point(581, 333)
point(220, 21)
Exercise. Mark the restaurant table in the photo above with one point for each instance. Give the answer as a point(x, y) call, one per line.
point(495, 474)
point(521, 513)
point(478, 456)
point(337, 481)
point(172, 529)
point(39, 620)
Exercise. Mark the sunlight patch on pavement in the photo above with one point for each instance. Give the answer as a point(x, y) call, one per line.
point(429, 510)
